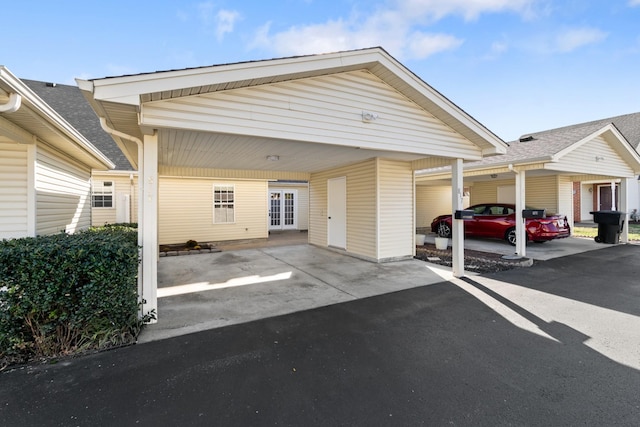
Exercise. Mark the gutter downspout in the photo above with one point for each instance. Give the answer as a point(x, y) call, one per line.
point(15, 100)
point(113, 132)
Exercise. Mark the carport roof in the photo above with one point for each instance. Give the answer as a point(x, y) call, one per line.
point(119, 99)
point(549, 145)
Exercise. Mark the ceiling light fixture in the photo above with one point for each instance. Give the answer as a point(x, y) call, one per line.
point(273, 157)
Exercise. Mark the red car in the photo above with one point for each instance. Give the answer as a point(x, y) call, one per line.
point(498, 221)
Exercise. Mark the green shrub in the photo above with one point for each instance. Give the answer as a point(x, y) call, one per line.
point(63, 294)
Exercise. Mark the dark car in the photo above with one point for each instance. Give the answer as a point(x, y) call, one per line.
point(498, 221)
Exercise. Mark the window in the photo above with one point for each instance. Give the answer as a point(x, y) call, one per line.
point(102, 194)
point(223, 204)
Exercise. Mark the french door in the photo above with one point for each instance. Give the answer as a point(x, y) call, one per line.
point(283, 207)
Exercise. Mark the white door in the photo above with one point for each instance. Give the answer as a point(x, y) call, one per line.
point(283, 210)
point(337, 212)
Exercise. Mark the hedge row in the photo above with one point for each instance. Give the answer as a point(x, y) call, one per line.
point(64, 294)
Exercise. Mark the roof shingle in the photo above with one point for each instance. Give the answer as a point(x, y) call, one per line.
point(69, 103)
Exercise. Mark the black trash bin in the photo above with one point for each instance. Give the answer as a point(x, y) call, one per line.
point(609, 226)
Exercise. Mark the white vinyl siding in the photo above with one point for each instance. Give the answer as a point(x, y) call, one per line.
point(487, 191)
point(431, 201)
point(542, 193)
point(595, 157)
point(63, 194)
point(326, 110)
point(13, 191)
point(396, 219)
point(186, 211)
point(361, 207)
point(122, 188)
point(231, 173)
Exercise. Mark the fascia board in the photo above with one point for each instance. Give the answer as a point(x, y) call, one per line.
point(129, 88)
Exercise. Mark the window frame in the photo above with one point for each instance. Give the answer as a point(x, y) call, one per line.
point(99, 189)
point(220, 189)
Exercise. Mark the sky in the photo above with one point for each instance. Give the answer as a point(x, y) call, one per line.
point(516, 66)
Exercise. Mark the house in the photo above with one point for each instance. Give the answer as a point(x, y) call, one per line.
point(45, 166)
point(114, 191)
point(570, 170)
point(353, 125)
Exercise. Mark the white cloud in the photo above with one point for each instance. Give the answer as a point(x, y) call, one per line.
point(205, 11)
point(634, 3)
point(225, 20)
point(422, 45)
point(575, 38)
point(469, 9)
point(400, 28)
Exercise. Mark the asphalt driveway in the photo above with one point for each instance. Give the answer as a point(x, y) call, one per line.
point(554, 344)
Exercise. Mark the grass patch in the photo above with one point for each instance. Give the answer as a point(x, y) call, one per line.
point(634, 231)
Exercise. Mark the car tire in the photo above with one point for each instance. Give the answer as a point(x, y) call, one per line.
point(444, 230)
point(510, 236)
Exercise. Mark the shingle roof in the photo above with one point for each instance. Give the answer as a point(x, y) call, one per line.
point(69, 103)
point(545, 144)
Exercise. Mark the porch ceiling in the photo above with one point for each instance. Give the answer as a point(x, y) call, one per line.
point(184, 148)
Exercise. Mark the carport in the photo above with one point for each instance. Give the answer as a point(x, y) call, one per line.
point(549, 163)
point(356, 125)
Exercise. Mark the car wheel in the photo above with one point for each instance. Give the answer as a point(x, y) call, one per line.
point(510, 236)
point(444, 230)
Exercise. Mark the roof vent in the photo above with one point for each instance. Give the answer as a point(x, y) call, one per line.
point(51, 84)
point(526, 138)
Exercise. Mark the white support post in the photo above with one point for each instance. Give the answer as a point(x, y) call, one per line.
point(521, 233)
point(457, 232)
point(613, 195)
point(624, 207)
point(140, 220)
point(149, 181)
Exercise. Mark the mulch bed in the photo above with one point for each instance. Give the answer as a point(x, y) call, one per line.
point(480, 262)
point(184, 249)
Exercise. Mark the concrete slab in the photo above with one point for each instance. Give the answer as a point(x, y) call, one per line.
point(204, 291)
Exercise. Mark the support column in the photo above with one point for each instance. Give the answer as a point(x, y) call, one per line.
point(521, 233)
point(613, 196)
point(624, 207)
point(149, 181)
point(457, 232)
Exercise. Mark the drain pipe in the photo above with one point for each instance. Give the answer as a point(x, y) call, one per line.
point(15, 100)
point(113, 132)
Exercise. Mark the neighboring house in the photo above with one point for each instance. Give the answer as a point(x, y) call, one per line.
point(45, 166)
point(353, 126)
point(114, 193)
point(570, 170)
